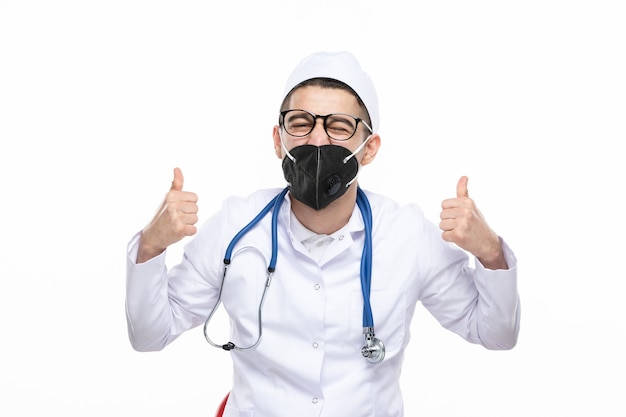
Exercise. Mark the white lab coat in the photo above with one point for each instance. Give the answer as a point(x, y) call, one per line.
point(309, 362)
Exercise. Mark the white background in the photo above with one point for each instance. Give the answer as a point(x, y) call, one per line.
point(100, 100)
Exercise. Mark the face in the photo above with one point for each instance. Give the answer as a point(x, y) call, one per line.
point(319, 100)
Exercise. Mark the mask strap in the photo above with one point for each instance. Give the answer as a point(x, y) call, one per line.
point(282, 143)
point(352, 180)
point(347, 158)
point(357, 150)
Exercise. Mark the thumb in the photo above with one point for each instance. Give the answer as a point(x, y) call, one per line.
point(177, 182)
point(461, 187)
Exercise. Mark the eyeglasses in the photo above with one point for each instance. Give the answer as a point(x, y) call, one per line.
point(338, 126)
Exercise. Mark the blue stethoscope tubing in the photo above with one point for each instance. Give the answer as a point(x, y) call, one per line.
point(366, 259)
point(273, 204)
point(374, 349)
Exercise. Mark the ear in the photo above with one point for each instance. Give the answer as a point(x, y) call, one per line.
point(371, 149)
point(278, 148)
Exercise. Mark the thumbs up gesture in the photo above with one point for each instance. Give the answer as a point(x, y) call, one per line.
point(463, 224)
point(175, 219)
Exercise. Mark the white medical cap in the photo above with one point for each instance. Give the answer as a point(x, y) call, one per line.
point(341, 66)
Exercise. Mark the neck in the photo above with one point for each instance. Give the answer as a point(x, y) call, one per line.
point(329, 219)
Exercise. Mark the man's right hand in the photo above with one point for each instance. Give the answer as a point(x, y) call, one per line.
point(175, 219)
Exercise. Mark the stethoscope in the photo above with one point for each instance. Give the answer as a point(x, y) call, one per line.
point(373, 349)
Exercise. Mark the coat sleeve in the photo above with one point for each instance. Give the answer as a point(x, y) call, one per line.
point(479, 304)
point(147, 311)
point(162, 304)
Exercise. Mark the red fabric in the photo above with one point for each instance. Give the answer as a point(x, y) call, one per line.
point(220, 409)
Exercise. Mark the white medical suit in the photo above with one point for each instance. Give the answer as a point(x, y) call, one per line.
point(309, 360)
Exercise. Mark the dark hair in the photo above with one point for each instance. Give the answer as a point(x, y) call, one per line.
point(329, 83)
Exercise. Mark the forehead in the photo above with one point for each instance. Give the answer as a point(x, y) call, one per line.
point(322, 100)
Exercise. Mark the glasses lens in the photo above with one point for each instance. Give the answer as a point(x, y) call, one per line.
point(298, 122)
point(340, 126)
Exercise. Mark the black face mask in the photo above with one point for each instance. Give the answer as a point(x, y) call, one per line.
point(318, 175)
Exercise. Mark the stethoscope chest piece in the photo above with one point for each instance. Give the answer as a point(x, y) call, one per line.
point(374, 348)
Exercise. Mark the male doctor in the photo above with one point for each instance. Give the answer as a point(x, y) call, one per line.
point(319, 354)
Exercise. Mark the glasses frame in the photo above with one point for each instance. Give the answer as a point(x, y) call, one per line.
point(324, 118)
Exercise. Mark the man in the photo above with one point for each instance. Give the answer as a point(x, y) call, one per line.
point(307, 284)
